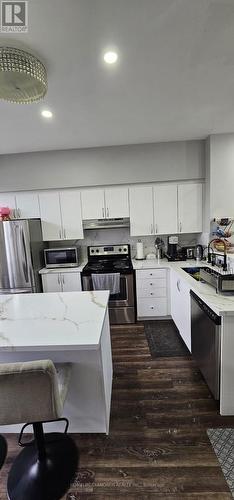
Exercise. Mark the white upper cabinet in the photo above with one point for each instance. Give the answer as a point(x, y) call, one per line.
point(116, 202)
point(71, 215)
point(190, 203)
point(8, 200)
point(165, 209)
point(107, 203)
point(141, 210)
point(61, 215)
point(50, 215)
point(27, 205)
point(93, 204)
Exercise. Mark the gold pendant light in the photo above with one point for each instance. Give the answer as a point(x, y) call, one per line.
point(23, 78)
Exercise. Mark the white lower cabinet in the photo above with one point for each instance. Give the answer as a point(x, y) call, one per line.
point(61, 282)
point(152, 296)
point(180, 306)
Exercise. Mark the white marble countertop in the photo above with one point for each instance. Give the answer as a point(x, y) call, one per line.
point(63, 270)
point(221, 304)
point(52, 321)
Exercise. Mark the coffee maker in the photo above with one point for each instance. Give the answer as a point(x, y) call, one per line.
point(172, 242)
point(173, 252)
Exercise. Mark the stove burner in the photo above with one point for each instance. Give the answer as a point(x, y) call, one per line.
point(97, 266)
point(120, 265)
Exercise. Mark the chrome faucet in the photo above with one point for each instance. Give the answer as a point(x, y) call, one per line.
point(209, 259)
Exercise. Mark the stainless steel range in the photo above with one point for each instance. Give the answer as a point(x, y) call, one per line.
point(112, 261)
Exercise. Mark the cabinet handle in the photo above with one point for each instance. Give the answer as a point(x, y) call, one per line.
point(107, 210)
point(156, 228)
point(63, 279)
point(58, 279)
point(60, 234)
point(103, 213)
point(180, 227)
point(178, 285)
point(64, 233)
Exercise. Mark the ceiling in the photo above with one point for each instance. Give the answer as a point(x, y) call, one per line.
point(174, 79)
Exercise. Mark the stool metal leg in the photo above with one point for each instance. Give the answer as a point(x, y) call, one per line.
point(44, 470)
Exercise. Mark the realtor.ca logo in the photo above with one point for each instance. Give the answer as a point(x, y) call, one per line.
point(14, 17)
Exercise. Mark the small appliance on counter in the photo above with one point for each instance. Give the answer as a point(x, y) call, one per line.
point(188, 252)
point(174, 252)
point(61, 257)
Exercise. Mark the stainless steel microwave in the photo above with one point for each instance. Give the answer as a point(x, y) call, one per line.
point(61, 257)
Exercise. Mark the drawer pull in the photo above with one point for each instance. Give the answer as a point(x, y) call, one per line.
point(151, 274)
point(151, 293)
point(152, 307)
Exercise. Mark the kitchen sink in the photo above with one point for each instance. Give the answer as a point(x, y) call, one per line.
point(193, 271)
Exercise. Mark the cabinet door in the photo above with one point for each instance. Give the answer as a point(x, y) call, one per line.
point(180, 307)
point(93, 204)
point(71, 282)
point(8, 200)
point(165, 209)
point(141, 210)
point(52, 282)
point(50, 215)
point(27, 205)
point(190, 208)
point(71, 214)
point(117, 204)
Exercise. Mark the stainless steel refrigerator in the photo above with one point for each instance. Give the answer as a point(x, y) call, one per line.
point(21, 256)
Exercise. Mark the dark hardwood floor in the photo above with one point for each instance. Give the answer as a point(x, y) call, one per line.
point(157, 447)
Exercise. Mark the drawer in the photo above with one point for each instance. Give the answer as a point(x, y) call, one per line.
point(151, 283)
point(148, 290)
point(151, 273)
point(151, 307)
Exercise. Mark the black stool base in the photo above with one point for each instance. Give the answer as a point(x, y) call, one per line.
point(3, 450)
point(49, 479)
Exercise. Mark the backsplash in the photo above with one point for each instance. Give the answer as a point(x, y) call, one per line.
point(121, 235)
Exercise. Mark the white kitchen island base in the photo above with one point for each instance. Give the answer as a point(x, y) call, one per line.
point(88, 401)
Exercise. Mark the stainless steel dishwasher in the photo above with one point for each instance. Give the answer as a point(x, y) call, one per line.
point(206, 332)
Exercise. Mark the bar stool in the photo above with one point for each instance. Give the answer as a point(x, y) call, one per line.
point(34, 392)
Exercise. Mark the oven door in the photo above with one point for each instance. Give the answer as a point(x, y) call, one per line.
point(125, 297)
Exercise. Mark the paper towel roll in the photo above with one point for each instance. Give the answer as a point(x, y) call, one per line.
point(139, 250)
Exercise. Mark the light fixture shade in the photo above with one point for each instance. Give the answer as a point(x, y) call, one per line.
point(23, 77)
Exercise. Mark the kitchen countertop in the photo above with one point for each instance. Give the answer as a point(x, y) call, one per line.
point(63, 270)
point(221, 304)
point(52, 321)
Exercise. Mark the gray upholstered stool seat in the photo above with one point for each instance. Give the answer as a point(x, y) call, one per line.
point(34, 392)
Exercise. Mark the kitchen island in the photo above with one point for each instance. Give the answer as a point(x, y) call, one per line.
point(64, 327)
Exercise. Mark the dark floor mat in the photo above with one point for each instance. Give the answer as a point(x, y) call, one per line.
point(164, 339)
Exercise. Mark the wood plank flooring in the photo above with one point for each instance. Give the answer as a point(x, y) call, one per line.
point(157, 447)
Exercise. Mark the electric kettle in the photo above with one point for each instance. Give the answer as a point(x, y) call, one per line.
point(198, 252)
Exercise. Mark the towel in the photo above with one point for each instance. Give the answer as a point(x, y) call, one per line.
point(110, 281)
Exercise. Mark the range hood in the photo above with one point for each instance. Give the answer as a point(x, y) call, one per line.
point(106, 223)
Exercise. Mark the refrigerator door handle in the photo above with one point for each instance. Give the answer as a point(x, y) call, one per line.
point(25, 262)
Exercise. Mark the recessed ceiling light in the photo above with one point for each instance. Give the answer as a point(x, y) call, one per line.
point(47, 113)
point(110, 57)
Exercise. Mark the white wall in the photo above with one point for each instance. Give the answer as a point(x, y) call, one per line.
point(102, 166)
point(221, 175)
